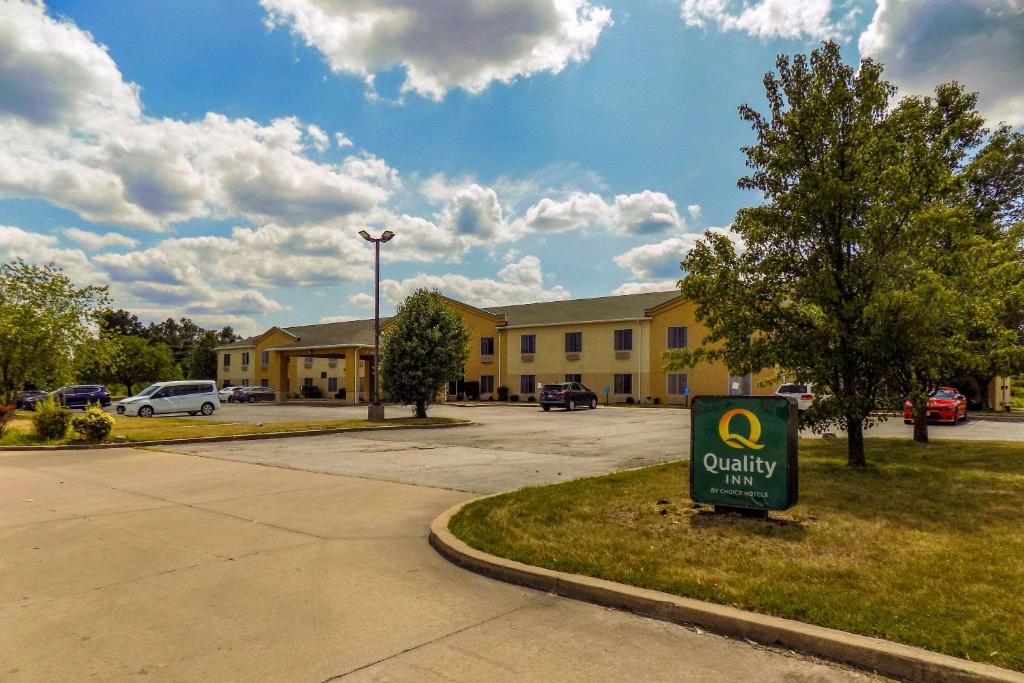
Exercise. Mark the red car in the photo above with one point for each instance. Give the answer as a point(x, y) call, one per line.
point(945, 404)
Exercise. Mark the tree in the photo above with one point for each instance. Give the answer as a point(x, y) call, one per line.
point(426, 346)
point(137, 360)
point(227, 335)
point(202, 357)
point(121, 322)
point(836, 281)
point(45, 320)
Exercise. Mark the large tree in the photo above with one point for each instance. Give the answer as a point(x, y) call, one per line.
point(836, 281)
point(45, 321)
point(138, 360)
point(426, 346)
point(202, 357)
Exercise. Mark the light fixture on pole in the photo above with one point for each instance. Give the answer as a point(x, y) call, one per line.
point(375, 413)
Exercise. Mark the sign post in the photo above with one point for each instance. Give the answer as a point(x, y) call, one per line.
point(743, 452)
point(607, 390)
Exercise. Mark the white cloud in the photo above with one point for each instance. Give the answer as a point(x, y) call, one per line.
point(658, 263)
point(342, 140)
point(978, 42)
point(337, 319)
point(643, 213)
point(43, 249)
point(644, 287)
point(361, 300)
point(444, 45)
point(474, 213)
point(765, 19)
point(694, 210)
point(95, 241)
point(72, 131)
point(518, 282)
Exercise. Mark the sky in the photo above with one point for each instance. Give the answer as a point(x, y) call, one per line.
point(216, 159)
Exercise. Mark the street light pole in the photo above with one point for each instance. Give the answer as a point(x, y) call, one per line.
point(375, 412)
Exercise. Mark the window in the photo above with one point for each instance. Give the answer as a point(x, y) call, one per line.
point(528, 343)
point(624, 340)
point(265, 357)
point(676, 383)
point(486, 384)
point(574, 378)
point(332, 385)
point(486, 346)
point(323, 375)
point(227, 383)
point(227, 360)
point(677, 337)
point(307, 381)
point(624, 384)
point(265, 383)
point(245, 382)
point(527, 384)
point(573, 342)
point(245, 357)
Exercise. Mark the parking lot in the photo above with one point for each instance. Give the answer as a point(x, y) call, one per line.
point(124, 563)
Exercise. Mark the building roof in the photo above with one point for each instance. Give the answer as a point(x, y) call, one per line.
point(622, 307)
point(348, 332)
point(241, 343)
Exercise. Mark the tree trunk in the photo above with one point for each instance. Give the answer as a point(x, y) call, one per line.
point(919, 401)
point(855, 442)
point(421, 408)
point(128, 386)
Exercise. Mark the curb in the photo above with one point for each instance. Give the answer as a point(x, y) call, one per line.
point(870, 654)
point(230, 437)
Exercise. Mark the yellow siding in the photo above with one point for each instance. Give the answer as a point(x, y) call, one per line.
point(597, 363)
point(480, 324)
point(234, 374)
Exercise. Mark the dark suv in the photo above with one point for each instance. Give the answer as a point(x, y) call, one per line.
point(568, 395)
point(23, 398)
point(76, 396)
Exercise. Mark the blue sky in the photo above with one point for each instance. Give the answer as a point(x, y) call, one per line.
point(216, 159)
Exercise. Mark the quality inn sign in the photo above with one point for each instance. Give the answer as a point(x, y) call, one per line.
point(743, 451)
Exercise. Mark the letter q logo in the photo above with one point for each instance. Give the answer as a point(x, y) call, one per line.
point(735, 440)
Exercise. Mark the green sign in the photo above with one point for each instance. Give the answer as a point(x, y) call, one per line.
point(743, 451)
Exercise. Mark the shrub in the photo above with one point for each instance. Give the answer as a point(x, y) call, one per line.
point(472, 390)
point(514, 398)
point(50, 420)
point(94, 425)
point(342, 394)
point(629, 400)
point(6, 415)
point(657, 401)
point(460, 396)
point(312, 391)
point(531, 399)
point(502, 393)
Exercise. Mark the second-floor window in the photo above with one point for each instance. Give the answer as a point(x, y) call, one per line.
point(623, 340)
point(245, 357)
point(528, 343)
point(573, 342)
point(486, 346)
point(265, 357)
point(227, 360)
point(677, 337)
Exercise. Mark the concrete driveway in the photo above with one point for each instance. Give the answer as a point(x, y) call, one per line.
point(117, 564)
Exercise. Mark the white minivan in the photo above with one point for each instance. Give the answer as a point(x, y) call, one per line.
point(188, 396)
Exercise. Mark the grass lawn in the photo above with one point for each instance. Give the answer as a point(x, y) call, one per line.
point(20, 432)
point(925, 547)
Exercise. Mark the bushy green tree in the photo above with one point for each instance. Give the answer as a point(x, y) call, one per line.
point(45, 320)
point(202, 358)
point(426, 345)
point(853, 274)
point(138, 360)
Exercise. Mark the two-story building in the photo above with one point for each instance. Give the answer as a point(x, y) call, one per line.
point(613, 342)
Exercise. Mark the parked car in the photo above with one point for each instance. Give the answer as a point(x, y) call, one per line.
point(945, 404)
point(75, 396)
point(568, 395)
point(254, 394)
point(189, 396)
point(803, 393)
point(226, 395)
point(22, 398)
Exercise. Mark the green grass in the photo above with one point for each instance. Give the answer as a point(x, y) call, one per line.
point(925, 547)
point(20, 432)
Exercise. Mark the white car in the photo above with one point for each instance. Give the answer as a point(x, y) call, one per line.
point(225, 394)
point(803, 393)
point(189, 396)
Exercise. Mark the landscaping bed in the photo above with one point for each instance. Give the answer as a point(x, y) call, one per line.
point(140, 429)
point(925, 547)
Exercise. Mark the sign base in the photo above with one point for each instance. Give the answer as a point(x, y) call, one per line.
point(742, 512)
